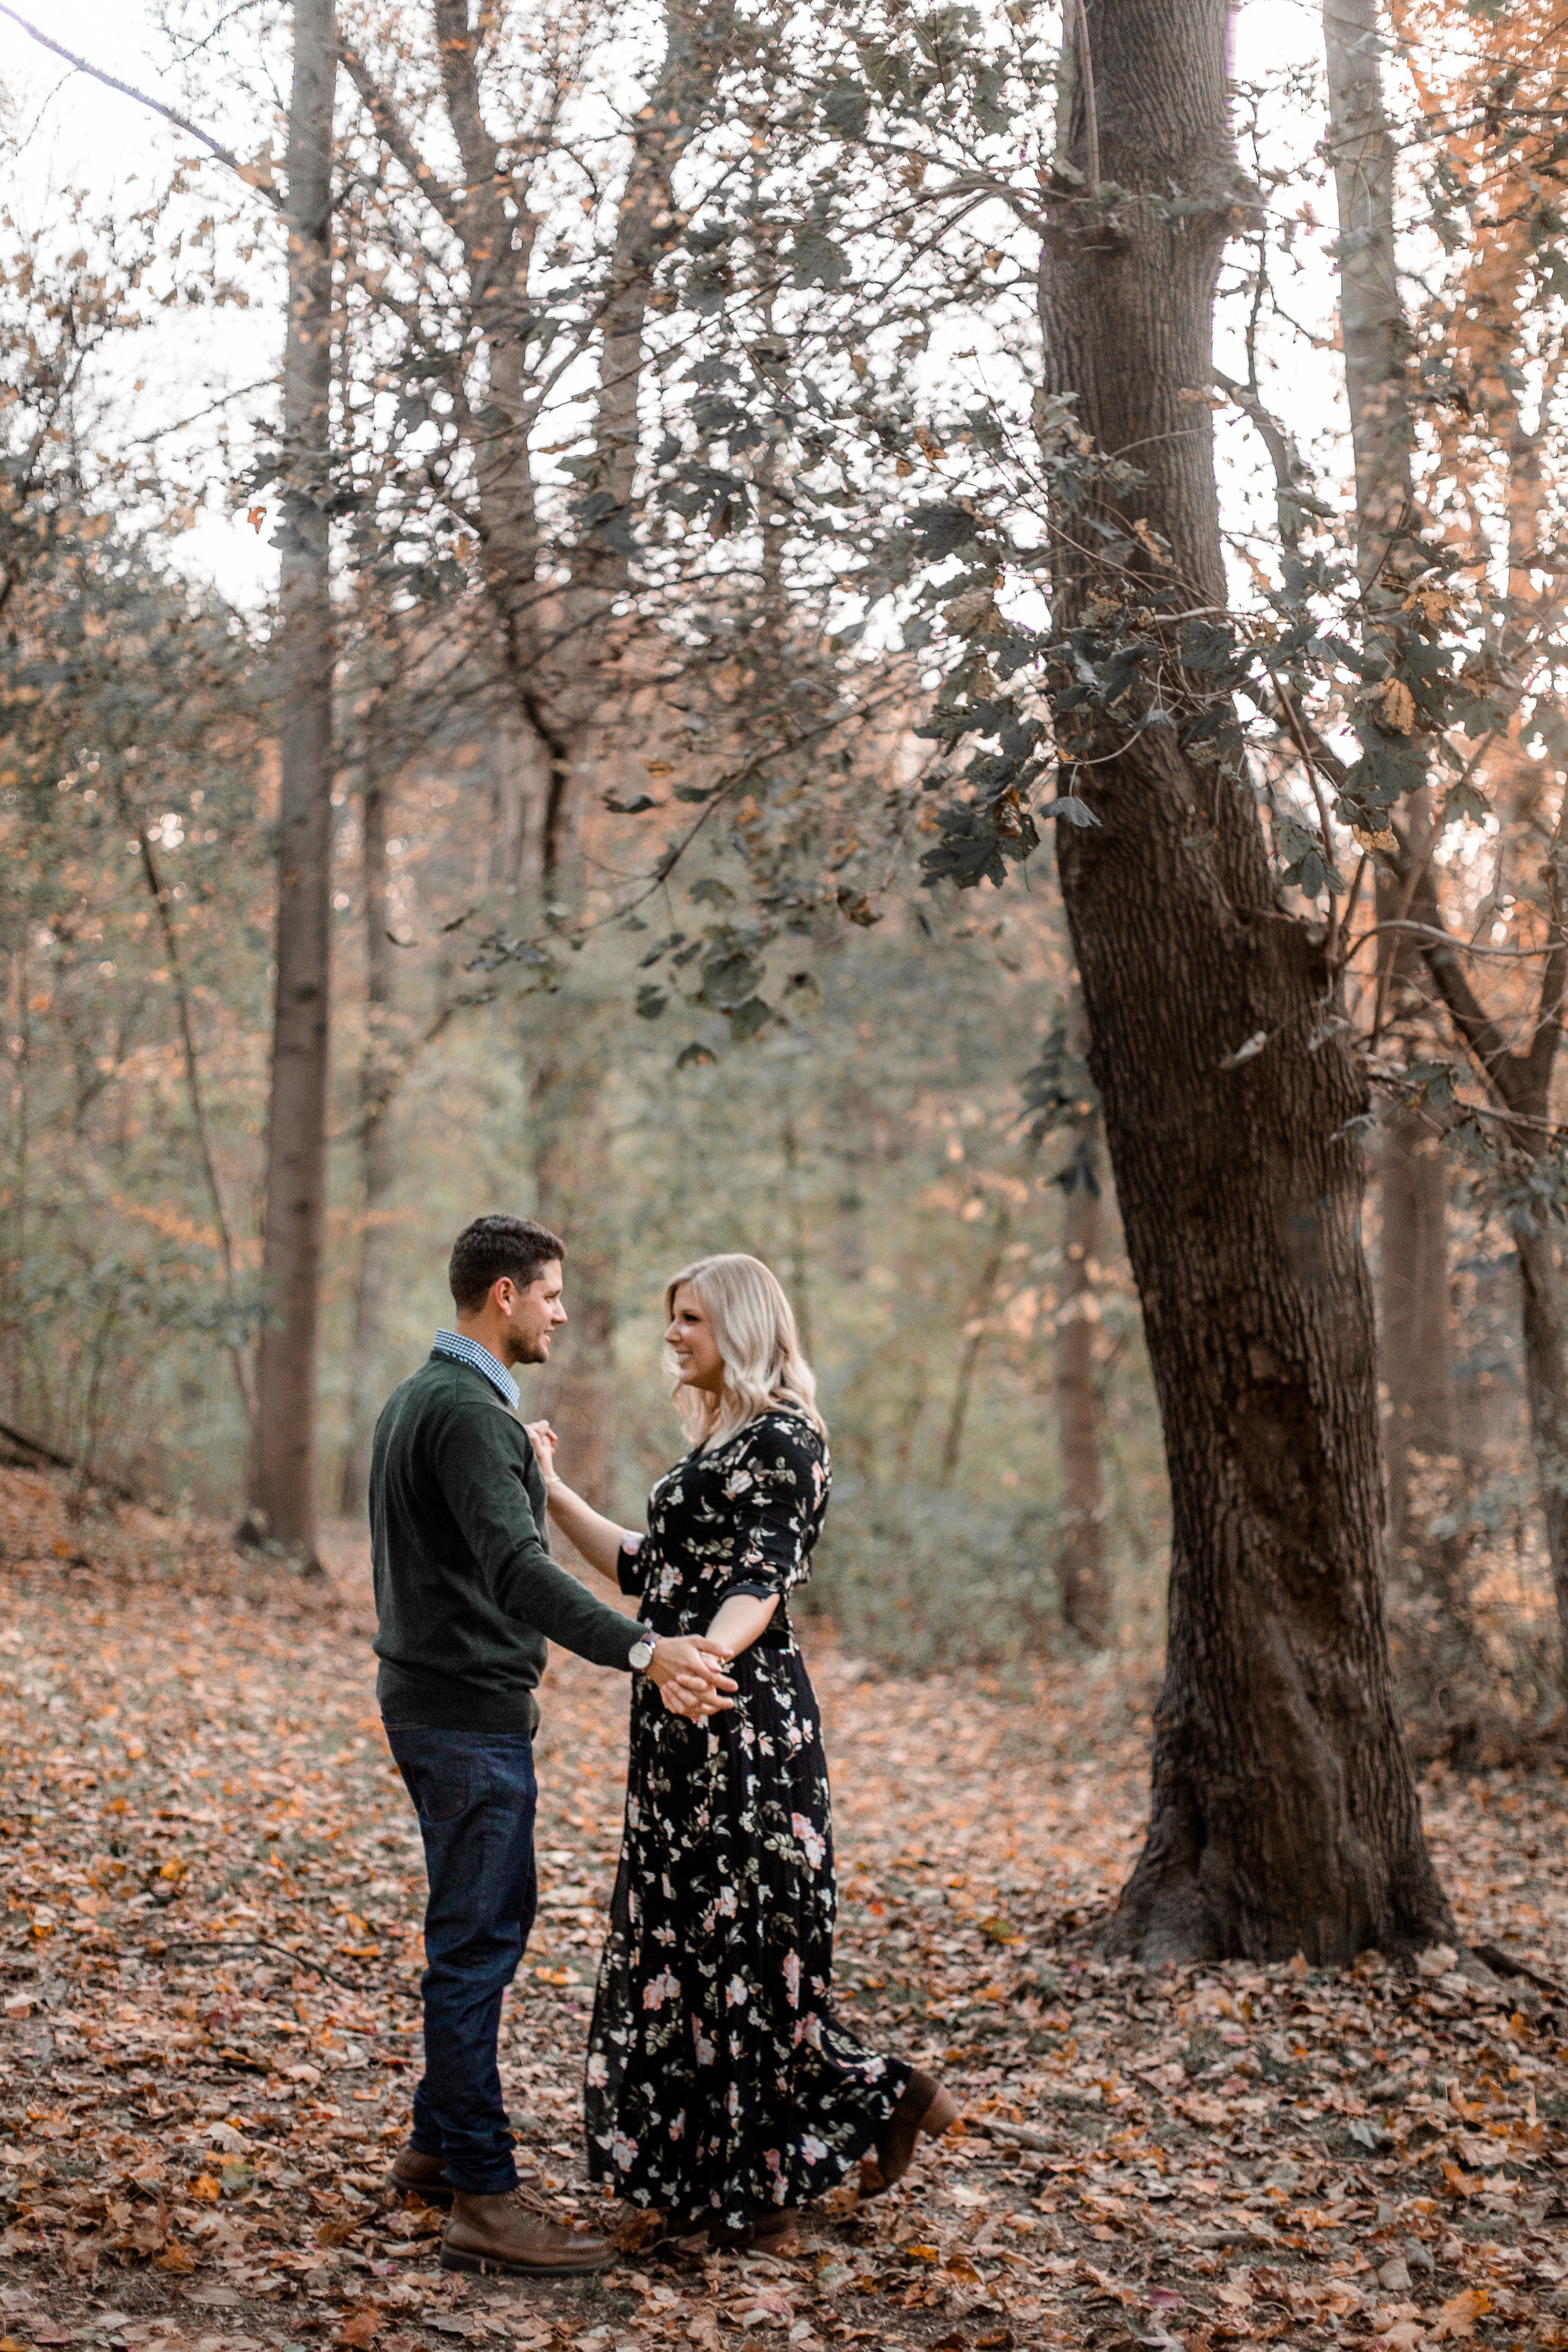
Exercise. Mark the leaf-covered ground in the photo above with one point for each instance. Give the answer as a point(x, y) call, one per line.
point(210, 1955)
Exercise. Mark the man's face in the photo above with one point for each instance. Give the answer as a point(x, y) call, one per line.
point(531, 1318)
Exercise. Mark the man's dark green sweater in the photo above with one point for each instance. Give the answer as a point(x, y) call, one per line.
point(466, 1595)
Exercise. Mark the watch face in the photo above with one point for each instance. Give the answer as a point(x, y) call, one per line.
point(641, 1655)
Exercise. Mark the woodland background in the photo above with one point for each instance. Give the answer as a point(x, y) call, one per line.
point(732, 475)
point(571, 623)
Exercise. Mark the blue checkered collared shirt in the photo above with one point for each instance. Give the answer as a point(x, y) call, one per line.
point(468, 1351)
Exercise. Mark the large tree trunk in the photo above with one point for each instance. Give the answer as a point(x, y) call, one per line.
point(1080, 1564)
point(283, 1455)
point(378, 1076)
point(1284, 1812)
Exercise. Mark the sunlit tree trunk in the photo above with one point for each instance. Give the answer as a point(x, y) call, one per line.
point(283, 1484)
point(1284, 1814)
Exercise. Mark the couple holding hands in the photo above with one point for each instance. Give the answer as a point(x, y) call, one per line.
point(721, 2090)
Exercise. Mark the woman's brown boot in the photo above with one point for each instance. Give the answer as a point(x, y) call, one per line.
point(924, 2107)
point(775, 2231)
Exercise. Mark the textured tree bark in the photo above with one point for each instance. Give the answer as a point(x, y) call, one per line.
point(1284, 1813)
point(378, 1079)
point(1080, 1563)
point(283, 1484)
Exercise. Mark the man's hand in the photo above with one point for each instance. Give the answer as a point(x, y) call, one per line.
point(543, 1440)
point(687, 1671)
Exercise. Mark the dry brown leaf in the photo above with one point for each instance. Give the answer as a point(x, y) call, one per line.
point(1394, 706)
point(1457, 2317)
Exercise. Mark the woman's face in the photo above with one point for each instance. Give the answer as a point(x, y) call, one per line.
point(689, 1335)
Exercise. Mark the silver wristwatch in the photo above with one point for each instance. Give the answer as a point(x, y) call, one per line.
point(640, 1654)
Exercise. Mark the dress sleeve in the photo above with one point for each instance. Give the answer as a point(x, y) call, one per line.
point(775, 1490)
point(631, 1567)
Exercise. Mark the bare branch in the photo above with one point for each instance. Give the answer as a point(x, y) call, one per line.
point(245, 172)
point(398, 142)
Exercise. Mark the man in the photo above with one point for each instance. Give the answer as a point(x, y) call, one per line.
point(467, 1599)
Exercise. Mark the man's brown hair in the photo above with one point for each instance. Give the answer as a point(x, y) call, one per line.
point(493, 1247)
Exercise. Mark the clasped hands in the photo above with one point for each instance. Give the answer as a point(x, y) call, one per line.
point(687, 1670)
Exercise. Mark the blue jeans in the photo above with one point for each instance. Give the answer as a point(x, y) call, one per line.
point(475, 1794)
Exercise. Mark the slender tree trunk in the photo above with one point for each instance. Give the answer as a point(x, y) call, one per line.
point(1546, 1387)
point(239, 1358)
point(378, 1076)
point(1085, 1587)
point(283, 1455)
point(1373, 327)
point(973, 1340)
point(572, 1176)
point(1522, 1083)
point(1284, 1812)
point(1376, 347)
point(1414, 1346)
point(15, 1204)
point(799, 1255)
point(1375, 337)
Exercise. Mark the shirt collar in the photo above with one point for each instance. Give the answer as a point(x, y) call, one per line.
point(468, 1351)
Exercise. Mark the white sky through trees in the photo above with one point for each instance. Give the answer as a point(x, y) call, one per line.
point(77, 134)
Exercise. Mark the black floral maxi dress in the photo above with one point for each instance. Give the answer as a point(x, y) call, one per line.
point(719, 2082)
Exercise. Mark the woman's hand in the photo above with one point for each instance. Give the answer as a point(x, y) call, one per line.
point(689, 1673)
point(543, 1440)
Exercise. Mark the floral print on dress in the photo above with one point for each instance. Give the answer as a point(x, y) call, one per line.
point(720, 2080)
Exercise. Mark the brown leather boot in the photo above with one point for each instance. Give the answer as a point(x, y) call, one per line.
point(500, 2234)
point(924, 2107)
point(422, 2176)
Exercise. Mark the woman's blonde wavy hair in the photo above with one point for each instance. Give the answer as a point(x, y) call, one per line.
point(753, 1324)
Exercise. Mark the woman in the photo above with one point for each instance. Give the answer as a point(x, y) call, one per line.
point(720, 2085)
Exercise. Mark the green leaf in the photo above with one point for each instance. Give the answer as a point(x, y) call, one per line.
point(1432, 1082)
point(651, 1001)
point(1462, 800)
point(817, 260)
point(746, 1018)
point(1081, 1173)
point(845, 108)
point(730, 975)
point(944, 529)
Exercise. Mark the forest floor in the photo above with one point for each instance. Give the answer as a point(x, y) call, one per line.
point(208, 1970)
